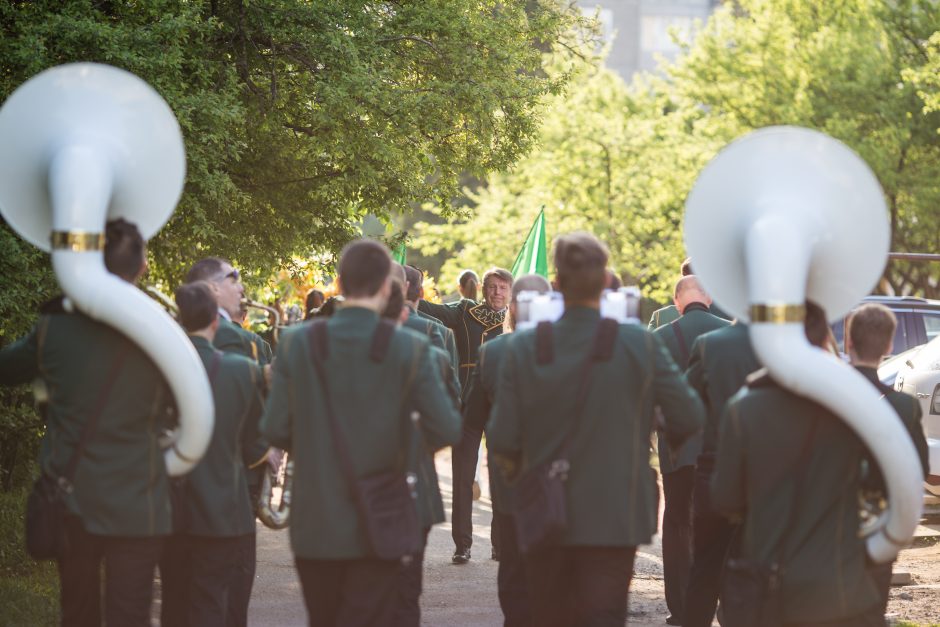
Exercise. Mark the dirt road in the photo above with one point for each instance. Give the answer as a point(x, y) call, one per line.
point(465, 596)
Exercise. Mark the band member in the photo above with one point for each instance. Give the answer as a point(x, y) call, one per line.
point(789, 469)
point(200, 570)
point(510, 580)
point(467, 285)
point(610, 497)
point(679, 473)
point(119, 508)
point(667, 314)
point(232, 338)
point(429, 502)
point(718, 366)
point(372, 397)
point(869, 336)
point(472, 324)
point(414, 293)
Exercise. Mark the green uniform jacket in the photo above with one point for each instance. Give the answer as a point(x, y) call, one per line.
point(695, 322)
point(430, 504)
point(718, 367)
point(121, 485)
point(373, 401)
point(217, 502)
point(480, 397)
point(232, 338)
point(908, 410)
point(667, 314)
point(762, 433)
point(450, 343)
point(611, 491)
point(436, 334)
point(472, 325)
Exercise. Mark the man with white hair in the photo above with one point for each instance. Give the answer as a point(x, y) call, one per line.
point(679, 470)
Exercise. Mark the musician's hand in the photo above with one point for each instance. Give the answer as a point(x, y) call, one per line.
point(275, 457)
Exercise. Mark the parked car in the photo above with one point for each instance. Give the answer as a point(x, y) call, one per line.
point(918, 321)
point(919, 376)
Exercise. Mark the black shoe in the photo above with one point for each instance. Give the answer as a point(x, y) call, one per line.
point(461, 556)
point(673, 620)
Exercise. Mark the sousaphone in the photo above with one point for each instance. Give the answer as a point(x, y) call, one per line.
point(787, 214)
point(81, 144)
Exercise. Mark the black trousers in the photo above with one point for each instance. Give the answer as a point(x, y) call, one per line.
point(677, 536)
point(579, 586)
point(240, 594)
point(711, 539)
point(881, 575)
point(200, 578)
point(511, 581)
point(464, 458)
point(350, 593)
point(408, 610)
point(129, 565)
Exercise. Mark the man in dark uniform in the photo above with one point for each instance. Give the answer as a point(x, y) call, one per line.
point(373, 398)
point(201, 565)
point(429, 502)
point(473, 324)
point(118, 512)
point(719, 365)
point(869, 336)
point(510, 580)
point(769, 438)
point(232, 338)
point(679, 473)
point(584, 578)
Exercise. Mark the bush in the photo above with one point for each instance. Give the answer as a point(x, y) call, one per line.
point(29, 590)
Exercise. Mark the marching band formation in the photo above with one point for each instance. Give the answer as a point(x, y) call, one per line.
point(160, 434)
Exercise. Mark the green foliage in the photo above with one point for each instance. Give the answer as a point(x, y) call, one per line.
point(299, 118)
point(619, 160)
point(29, 590)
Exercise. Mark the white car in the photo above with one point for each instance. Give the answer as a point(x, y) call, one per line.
point(919, 376)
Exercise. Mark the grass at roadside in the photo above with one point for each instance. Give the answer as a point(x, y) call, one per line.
point(29, 590)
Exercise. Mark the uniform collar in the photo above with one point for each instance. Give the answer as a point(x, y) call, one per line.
point(200, 342)
point(225, 314)
point(580, 313)
point(872, 375)
point(356, 314)
point(695, 306)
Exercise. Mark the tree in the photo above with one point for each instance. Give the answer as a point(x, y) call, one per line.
point(620, 161)
point(299, 116)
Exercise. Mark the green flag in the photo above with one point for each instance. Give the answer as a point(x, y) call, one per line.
point(399, 254)
point(533, 257)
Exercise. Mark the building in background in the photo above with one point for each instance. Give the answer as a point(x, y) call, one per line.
point(638, 31)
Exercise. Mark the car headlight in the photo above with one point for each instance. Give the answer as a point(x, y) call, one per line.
point(935, 401)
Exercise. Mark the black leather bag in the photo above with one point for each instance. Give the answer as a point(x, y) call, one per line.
point(751, 592)
point(45, 520)
point(385, 501)
point(540, 508)
point(46, 538)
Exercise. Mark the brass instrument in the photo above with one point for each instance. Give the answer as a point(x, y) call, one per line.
point(165, 301)
point(271, 516)
point(271, 310)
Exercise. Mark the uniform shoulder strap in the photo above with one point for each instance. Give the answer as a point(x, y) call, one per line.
point(380, 341)
point(605, 338)
point(318, 340)
point(544, 349)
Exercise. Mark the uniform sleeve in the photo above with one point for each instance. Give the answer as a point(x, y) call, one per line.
point(265, 354)
point(254, 445)
point(19, 362)
point(654, 319)
point(277, 421)
point(504, 431)
point(440, 417)
point(476, 409)
point(727, 488)
point(449, 315)
point(683, 412)
point(695, 373)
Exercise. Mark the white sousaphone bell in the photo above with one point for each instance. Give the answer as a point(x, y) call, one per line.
point(787, 214)
point(81, 144)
